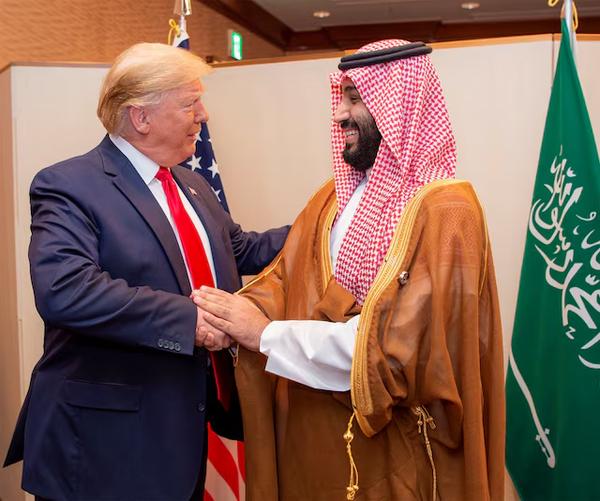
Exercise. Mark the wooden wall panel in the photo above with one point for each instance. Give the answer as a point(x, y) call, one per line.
point(96, 31)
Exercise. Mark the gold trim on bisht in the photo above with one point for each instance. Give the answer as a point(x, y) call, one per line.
point(424, 420)
point(352, 488)
point(326, 264)
point(389, 271)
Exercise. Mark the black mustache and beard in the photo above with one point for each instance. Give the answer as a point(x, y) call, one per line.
point(361, 155)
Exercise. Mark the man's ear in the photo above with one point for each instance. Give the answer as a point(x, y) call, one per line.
point(139, 119)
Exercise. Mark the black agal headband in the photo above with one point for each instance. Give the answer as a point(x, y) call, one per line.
point(384, 55)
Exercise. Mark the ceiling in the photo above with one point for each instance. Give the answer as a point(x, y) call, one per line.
point(298, 15)
point(291, 25)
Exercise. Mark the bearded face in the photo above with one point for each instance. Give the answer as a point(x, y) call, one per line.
point(360, 130)
point(362, 142)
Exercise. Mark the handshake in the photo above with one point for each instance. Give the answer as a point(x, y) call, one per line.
point(224, 319)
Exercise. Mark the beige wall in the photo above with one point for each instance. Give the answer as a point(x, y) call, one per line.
point(10, 384)
point(84, 31)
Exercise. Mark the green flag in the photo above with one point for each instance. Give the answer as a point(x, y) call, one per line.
point(553, 381)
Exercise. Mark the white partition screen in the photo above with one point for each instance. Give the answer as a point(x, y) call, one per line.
point(270, 130)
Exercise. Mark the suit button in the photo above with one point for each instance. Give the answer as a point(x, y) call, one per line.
point(201, 407)
point(171, 345)
point(160, 343)
point(177, 347)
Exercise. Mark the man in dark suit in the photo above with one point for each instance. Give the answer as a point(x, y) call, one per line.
point(119, 402)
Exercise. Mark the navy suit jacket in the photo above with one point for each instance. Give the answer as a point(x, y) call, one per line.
point(118, 404)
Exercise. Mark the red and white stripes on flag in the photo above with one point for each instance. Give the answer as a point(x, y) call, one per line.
point(225, 474)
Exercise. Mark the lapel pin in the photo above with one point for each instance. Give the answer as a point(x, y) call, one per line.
point(192, 191)
point(403, 278)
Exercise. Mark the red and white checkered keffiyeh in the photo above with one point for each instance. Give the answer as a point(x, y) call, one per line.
point(417, 147)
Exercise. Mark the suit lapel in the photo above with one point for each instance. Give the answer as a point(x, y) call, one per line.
point(128, 181)
point(214, 230)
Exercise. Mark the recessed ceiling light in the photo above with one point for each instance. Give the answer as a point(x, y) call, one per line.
point(321, 13)
point(469, 5)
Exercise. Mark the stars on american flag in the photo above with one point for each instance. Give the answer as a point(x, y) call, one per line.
point(194, 163)
point(204, 163)
point(214, 169)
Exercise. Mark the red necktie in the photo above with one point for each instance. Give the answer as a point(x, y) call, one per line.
point(197, 263)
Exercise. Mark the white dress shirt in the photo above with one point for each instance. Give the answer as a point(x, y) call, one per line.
point(147, 169)
point(313, 352)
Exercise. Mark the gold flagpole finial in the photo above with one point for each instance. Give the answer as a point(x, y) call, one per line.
point(182, 9)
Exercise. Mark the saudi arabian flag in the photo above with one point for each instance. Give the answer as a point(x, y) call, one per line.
point(553, 382)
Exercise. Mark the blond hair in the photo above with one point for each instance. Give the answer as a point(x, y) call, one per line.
point(140, 76)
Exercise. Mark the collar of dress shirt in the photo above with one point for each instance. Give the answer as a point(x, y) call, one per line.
point(145, 167)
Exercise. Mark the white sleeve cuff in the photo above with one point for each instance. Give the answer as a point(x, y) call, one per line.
point(311, 352)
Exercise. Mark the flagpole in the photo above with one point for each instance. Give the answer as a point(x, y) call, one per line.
point(568, 12)
point(182, 8)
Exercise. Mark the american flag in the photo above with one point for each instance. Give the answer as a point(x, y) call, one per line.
point(225, 473)
point(203, 160)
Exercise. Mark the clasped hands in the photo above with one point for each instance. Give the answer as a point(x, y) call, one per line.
point(225, 318)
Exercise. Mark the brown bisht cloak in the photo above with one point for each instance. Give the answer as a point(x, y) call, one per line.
point(427, 386)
